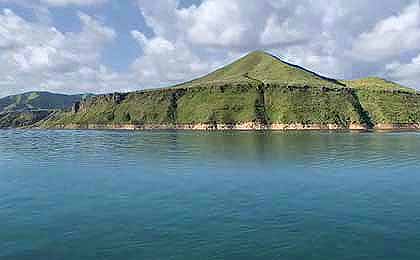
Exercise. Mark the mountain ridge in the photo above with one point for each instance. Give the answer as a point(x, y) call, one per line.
point(27, 109)
point(38, 100)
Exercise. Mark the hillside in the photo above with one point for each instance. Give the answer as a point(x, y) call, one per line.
point(30, 108)
point(387, 102)
point(37, 101)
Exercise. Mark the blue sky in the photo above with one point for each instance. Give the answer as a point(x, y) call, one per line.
point(74, 46)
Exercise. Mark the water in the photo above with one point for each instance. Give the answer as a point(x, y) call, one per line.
point(198, 195)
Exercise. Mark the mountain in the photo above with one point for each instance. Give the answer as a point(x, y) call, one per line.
point(259, 91)
point(261, 67)
point(27, 109)
point(38, 101)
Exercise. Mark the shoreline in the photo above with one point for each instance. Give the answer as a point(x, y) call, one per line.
point(250, 126)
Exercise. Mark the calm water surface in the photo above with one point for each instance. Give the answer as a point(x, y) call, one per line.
point(196, 195)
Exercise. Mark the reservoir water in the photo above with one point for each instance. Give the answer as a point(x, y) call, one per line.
point(209, 195)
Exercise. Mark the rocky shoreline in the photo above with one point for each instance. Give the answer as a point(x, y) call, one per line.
point(249, 126)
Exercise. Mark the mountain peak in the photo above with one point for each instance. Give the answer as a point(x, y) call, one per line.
point(259, 53)
point(262, 67)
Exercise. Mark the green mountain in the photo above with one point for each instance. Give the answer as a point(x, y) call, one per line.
point(38, 101)
point(259, 91)
point(27, 109)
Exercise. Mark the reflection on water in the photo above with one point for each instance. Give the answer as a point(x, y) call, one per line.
point(218, 195)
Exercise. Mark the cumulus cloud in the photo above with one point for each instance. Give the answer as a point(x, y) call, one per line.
point(278, 32)
point(406, 73)
point(34, 56)
point(73, 2)
point(231, 24)
point(207, 23)
point(390, 37)
point(165, 62)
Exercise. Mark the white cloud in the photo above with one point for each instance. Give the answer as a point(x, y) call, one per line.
point(207, 23)
point(406, 73)
point(72, 2)
point(34, 55)
point(278, 32)
point(230, 24)
point(164, 62)
point(390, 37)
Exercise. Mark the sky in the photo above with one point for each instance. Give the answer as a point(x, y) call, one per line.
point(100, 46)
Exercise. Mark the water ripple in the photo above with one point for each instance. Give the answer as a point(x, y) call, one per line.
point(222, 195)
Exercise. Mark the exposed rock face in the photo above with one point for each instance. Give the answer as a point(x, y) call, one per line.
point(397, 126)
point(114, 98)
point(118, 97)
point(243, 126)
point(76, 107)
point(249, 126)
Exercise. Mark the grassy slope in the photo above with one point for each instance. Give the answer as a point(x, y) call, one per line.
point(388, 107)
point(261, 88)
point(198, 105)
point(229, 104)
point(144, 108)
point(387, 102)
point(308, 106)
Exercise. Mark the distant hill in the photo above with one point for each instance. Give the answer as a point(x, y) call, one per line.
point(25, 110)
point(38, 101)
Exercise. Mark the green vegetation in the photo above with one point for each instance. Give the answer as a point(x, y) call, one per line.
point(225, 104)
point(391, 108)
point(135, 108)
point(311, 106)
point(386, 101)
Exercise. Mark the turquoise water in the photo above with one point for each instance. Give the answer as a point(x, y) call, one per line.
point(198, 195)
